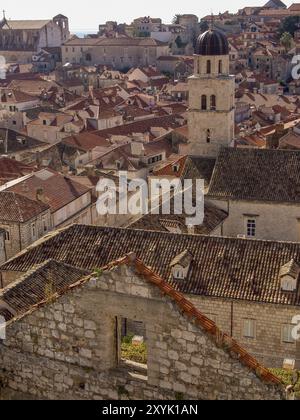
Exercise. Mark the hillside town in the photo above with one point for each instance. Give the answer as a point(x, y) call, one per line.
point(141, 305)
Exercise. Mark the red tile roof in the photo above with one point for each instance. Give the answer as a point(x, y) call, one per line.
point(58, 189)
point(17, 208)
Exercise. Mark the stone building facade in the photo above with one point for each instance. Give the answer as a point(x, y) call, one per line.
point(2, 246)
point(235, 282)
point(258, 189)
point(69, 348)
point(23, 220)
point(119, 53)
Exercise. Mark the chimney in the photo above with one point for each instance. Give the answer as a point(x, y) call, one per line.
point(90, 170)
point(40, 195)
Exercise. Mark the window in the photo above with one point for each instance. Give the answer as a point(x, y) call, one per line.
point(131, 344)
point(287, 330)
point(213, 102)
point(208, 136)
point(7, 235)
point(249, 327)
point(251, 228)
point(45, 225)
point(203, 103)
point(208, 67)
point(220, 67)
point(33, 231)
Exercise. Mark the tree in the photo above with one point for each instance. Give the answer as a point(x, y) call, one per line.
point(286, 40)
point(290, 24)
point(176, 19)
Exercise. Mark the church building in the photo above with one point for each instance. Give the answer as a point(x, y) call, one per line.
point(20, 39)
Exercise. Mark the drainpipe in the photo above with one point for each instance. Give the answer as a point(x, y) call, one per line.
point(231, 320)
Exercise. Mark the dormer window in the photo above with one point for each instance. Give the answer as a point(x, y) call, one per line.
point(289, 276)
point(181, 265)
point(176, 167)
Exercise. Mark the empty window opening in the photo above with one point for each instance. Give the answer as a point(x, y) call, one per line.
point(208, 67)
point(213, 102)
point(203, 102)
point(220, 67)
point(133, 343)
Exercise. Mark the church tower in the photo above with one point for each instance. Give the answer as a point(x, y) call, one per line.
point(211, 96)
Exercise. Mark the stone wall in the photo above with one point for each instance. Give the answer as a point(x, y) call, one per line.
point(278, 222)
point(267, 345)
point(70, 349)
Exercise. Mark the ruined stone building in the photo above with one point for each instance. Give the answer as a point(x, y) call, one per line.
point(248, 287)
point(20, 39)
point(63, 340)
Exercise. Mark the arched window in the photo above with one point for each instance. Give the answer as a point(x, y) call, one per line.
point(208, 136)
point(203, 102)
point(213, 102)
point(220, 67)
point(208, 67)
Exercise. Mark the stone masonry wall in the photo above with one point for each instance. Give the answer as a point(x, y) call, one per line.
point(70, 349)
point(267, 345)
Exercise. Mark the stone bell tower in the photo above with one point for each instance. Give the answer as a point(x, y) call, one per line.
point(211, 97)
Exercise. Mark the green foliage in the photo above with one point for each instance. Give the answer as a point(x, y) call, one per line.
point(98, 272)
point(286, 40)
point(134, 352)
point(290, 25)
point(286, 377)
point(179, 396)
point(122, 392)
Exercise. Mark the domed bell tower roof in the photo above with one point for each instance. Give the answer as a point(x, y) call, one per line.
point(212, 42)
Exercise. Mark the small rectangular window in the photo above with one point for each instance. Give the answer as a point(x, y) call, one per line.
point(249, 328)
point(287, 336)
point(251, 228)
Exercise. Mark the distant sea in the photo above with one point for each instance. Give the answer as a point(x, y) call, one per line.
point(83, 34)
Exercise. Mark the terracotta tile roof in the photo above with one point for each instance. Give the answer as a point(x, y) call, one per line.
point(57, 189)
point(227, 268)
point(248, 174)
point(12, 169)
point(144, 126)
point(16, 142)
point(37, 286)
point(161, 223)
point(16, 96)
point(85, 141)
point(25, 24)
point(167, 167)
point(114, 42)
point(19, 209)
